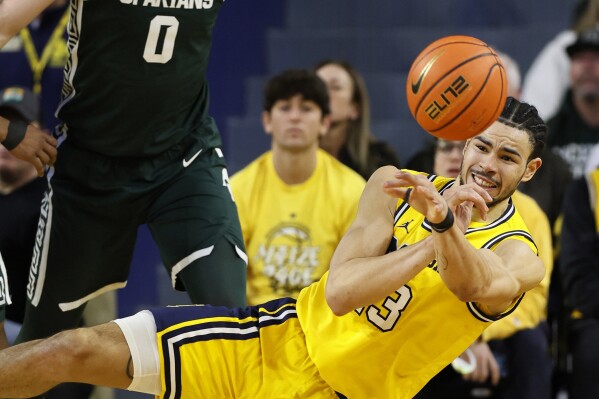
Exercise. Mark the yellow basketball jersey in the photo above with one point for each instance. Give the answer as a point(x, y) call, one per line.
point(390, 347)
point(291, 231)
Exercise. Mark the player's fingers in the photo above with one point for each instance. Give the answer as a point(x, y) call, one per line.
point(478, 201)
point(481, 191)
point(412, 179)
point(397, 192)
point(470, 195)
point(39, 166)
point(51, 152)
point(51, 140)
point(45, 158)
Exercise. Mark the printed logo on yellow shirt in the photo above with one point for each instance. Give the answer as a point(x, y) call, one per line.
point(288, 257)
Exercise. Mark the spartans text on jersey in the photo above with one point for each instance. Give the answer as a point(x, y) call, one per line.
point(188, 4)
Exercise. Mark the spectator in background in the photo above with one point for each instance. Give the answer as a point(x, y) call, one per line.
point(350, 139)
point(574, 130)
point(547, 80)
point(579, 266)
point(35, 58)
point(296, 201)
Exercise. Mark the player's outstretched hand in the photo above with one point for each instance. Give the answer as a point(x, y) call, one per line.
point(420, 193)
point(462, 198)
point(38, 148)
point(423, 196)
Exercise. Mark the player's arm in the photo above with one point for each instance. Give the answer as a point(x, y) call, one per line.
point(16, 14)
point(493, 279)
point(360, 271)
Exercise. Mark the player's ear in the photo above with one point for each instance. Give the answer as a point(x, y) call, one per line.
point(531, 168)
point(266, 122)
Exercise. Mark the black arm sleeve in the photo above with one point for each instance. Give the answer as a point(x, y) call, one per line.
point(579, 254)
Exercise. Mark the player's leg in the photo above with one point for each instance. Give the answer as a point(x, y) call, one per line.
point(195, 224)
point(84, 247)
point(97, 355)
point(214, 278)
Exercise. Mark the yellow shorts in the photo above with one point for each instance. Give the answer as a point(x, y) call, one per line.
point(218, 353)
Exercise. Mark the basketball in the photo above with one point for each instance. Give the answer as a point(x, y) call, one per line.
point(456, 87)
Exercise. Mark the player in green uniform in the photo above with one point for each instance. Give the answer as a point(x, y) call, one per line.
point(136, 146)
point(427, 265)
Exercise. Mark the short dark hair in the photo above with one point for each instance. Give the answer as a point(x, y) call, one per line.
point(293, 82)
point(525, 117)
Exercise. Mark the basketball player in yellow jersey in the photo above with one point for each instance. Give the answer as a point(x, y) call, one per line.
point(427, 265)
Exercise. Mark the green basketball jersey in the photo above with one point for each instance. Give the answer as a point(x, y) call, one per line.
point(135, 81)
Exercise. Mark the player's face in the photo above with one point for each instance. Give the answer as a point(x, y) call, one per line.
point(341, 92)
point(448, 157)
point(584, 74)
point(295, 124)
point(496, 160)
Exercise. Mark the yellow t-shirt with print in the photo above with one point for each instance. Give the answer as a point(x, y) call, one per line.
point(291, 231)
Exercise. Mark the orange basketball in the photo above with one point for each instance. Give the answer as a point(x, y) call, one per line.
point(456, 87)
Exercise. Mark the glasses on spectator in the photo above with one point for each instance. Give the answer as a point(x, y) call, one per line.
point(447, 147)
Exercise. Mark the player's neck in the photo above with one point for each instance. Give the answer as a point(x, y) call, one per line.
point(294, 167)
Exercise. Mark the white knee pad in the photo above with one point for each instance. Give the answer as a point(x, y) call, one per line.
point(140, 333)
